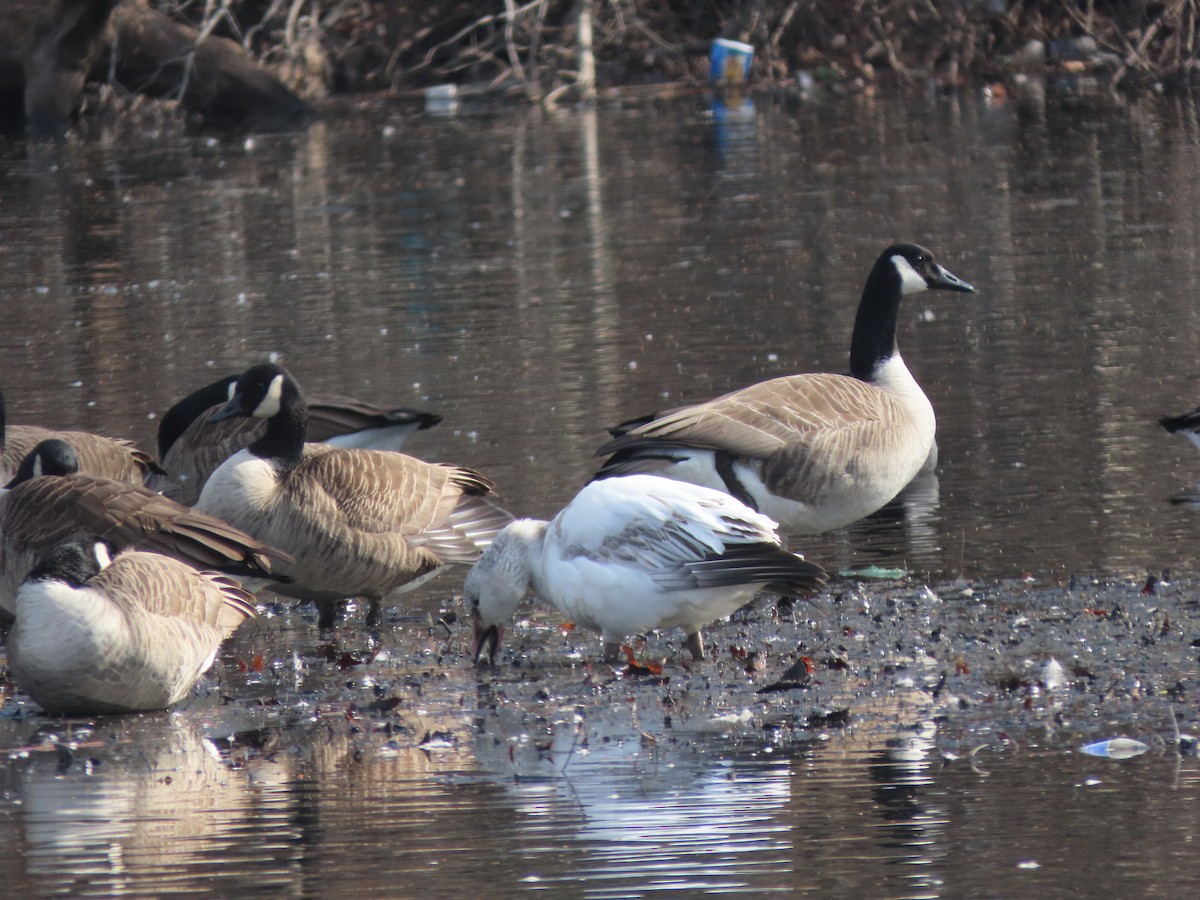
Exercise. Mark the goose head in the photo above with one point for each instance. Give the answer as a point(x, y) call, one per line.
point(918, 271)
point(261, 392)
point(268, 391)
point(497, 582)
point(74, 562)
point(50, 457)
point(900, 270)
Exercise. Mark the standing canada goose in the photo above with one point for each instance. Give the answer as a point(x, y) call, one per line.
point(97, 634)
point(191, 446)
point(816, 451)
point(633, 554)
point(98, 455)
point(1186, 425)
point(50, 502)
point(359, 523)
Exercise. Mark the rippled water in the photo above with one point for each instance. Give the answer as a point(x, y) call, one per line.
point(534, 278)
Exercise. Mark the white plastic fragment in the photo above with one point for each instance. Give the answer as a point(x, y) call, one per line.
point(727, 722)
point(1115, 748)
point(1052, 677)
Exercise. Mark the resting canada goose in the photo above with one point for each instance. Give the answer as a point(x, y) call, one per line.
point(50, 502)
point(190, 446)
point(359, 523)
point(1186, 425)
point(817, 451)
point(633, 554)
point(98, 634)
point(98, 455)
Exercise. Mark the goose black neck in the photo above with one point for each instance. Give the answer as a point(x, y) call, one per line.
point(283, 442)
point(177, 419)
point(874, 340)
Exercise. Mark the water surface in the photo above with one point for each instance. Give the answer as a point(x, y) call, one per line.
point(534, 278)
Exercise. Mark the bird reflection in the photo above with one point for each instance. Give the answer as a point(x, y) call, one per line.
point(133, 803)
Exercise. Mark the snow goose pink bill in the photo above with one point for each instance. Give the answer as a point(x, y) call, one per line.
point(634, 554)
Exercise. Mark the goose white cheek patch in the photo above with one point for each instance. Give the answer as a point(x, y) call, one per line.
point(103, 558)
point(911, 281)
point(270, 403)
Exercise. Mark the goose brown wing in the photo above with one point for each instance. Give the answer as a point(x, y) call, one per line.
point(167, 587)
point(98, 455)
point(445, 512)
point(204, 445)
point(798, 427)
point(759, 420)
point(43, 512)
point(331, 415)
point(379, 491)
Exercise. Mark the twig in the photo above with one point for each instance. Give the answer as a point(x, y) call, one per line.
point(1130, 59)
point(475, 26)
point(781, 26)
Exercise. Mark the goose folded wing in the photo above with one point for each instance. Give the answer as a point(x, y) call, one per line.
point(760, 420)
point(330, 415)
point(379, 491)
point(46, 511)
point(170, 588)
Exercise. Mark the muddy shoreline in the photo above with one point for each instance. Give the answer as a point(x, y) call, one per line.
point(966, 663)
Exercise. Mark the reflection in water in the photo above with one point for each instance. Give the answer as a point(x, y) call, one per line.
point(902, 775)
point(152, 810)
point(535, 277)
point(638, 820)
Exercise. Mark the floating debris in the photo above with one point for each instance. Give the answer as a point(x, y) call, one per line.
point(728, 722)
point(877, 573)
point(798, 675)
point(1116, 748)
point(438, 740)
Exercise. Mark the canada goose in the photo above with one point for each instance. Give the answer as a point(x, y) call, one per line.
point(190, 446)
point(98, 455)
point(50, 502)
point(816, 451)
point(102, 634)
point(359, 523)
point(633, 554)
point(1186, 425)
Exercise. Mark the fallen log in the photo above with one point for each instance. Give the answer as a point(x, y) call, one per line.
point(49, 50)
point(213, 78)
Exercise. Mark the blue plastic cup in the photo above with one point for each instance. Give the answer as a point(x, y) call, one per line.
point(729, 61)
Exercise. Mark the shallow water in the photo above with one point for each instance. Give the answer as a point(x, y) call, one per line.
point(534, 278)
